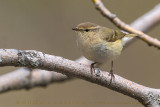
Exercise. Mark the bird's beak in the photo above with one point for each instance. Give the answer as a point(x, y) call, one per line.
point(75, 29)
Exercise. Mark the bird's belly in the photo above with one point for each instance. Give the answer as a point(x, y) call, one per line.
point(97, 54)
point(102, 52)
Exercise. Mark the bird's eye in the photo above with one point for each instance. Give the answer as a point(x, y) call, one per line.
point(87, 30)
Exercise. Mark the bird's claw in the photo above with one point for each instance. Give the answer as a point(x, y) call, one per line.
point(92, 67)
point(112, 76)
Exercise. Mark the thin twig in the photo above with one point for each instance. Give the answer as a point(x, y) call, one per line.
point(119, 23)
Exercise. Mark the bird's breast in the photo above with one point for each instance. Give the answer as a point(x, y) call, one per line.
point(100, 51)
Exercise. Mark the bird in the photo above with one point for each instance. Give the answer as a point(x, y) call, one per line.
point(100, 44)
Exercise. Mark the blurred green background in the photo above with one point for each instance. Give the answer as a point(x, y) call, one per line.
point(45, 25)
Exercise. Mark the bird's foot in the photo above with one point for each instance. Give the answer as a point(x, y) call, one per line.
point(92, 67)
point(112, 76)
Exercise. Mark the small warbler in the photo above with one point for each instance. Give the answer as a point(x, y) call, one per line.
point(99, 44)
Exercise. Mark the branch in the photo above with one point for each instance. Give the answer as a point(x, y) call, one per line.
point(113, 18)
point(44, 77)
point(35, 59)
point(22, 78)
point(33, 78)
point(28, 78)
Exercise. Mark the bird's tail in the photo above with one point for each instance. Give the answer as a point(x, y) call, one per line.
point(131, 35)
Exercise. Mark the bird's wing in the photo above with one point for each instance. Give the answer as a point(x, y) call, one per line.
point(111, 35)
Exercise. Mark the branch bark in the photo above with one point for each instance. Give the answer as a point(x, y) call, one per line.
point(33, 77)
point(28, 78)
point(35, 59)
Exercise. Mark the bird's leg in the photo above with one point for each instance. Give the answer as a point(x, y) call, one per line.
point(92, 67)
point(111, 72)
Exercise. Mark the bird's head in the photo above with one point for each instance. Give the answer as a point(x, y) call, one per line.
point(86, 28)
